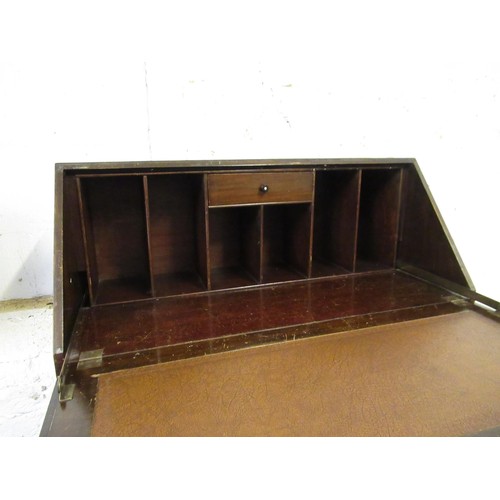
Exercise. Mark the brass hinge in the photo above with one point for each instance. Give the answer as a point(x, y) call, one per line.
point(86, 360)
point(90, 359)
point(460, 302)
point(65, 391)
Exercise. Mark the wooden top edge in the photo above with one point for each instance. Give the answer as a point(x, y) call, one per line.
point(235, 162)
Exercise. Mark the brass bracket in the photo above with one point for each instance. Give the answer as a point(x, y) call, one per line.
point(65, 391)
point(86, 360)
point(90, 359)
point(460, 302)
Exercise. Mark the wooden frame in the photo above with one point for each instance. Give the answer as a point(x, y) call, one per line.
point(173, 244)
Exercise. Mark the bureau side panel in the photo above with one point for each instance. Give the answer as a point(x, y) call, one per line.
point(425, 242)
point(69, 263)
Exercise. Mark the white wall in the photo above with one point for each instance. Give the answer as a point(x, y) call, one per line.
point(201, 80)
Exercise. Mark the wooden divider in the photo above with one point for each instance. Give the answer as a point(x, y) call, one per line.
point(115, 236)
point(174, 233)
point(378, 219)
point(336, 222)
point(155, 235)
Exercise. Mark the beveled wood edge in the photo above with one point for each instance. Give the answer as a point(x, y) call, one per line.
point(311, 226)
point(398, 216)
point(147, 209)
point(206, 224)
point(319, 162)
point(86, 231)
point(58, 276)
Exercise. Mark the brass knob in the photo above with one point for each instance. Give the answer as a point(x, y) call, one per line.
point(264, 188)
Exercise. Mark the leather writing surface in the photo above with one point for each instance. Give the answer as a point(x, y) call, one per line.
point(430, 377)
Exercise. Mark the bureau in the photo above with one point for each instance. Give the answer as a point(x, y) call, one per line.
point(181, 286)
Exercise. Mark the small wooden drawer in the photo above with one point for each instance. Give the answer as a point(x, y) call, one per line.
point(259, 188)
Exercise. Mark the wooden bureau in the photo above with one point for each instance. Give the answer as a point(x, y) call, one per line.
point(220, 278)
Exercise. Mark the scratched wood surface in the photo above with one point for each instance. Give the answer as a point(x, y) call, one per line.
point(145, 325)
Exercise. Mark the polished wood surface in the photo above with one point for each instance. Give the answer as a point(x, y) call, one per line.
point(260, 188)
point(135, 327)
point(430, 377)
point(245, 340)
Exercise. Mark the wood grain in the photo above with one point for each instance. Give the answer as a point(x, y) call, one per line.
point(172, 205)
point(158, 223)
point(136, 327)
point(243, 189)
point(235, 246)
point(378, 219)
point(114, 213)
point(424, 241)
point(336, 219)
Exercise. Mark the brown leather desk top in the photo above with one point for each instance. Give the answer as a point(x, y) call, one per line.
point(437, 376)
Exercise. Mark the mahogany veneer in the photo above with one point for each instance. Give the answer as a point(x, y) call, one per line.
point(259, 188)
point(164, 261)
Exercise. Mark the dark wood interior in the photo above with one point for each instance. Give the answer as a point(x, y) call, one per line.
point(174, 248)
point(378, 219)
point(157, 235)
point(234, 247)
point(113, 214)
point(286, 244)
point(424, 239)
point(336, 209)
point(201, 317)
point(158, 261)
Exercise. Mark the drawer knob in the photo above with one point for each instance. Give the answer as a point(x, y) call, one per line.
point(264, 188)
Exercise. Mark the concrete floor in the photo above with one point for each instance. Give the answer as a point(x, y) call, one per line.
point(27, 374)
